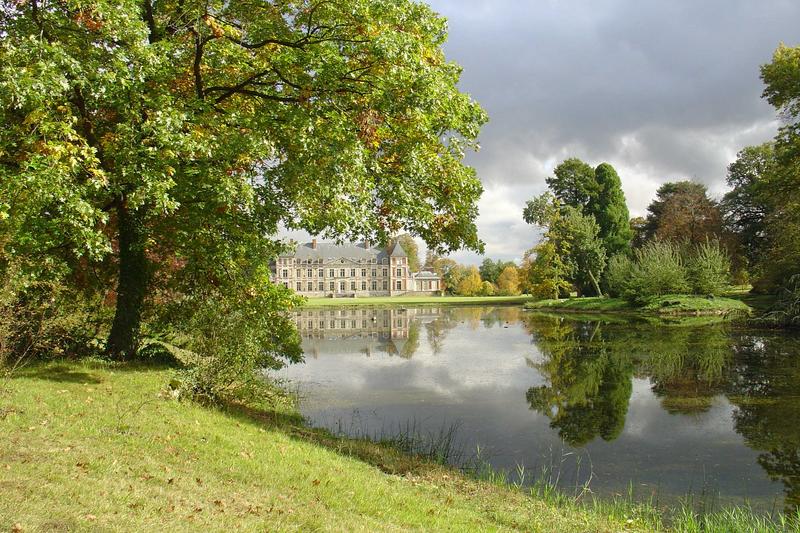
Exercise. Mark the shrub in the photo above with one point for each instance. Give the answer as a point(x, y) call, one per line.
point(617, 275)
point(786, 311)
point(48, 320)
point(231, 336)
point(709, 269)
point(487, 289)
point(659, 269)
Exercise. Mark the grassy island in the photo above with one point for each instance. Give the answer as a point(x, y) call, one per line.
point(670, 305)
point(98, 446)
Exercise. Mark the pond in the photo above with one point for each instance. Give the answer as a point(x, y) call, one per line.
point(665, 410)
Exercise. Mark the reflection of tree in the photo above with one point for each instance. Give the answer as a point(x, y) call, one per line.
point(588, 368)
point(589, 386)
point(438, 329)
point(686, 365)
point(765, 388)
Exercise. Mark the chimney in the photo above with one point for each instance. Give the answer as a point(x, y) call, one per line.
point(313, 244)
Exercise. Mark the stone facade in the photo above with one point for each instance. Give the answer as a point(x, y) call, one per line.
point(351, 271)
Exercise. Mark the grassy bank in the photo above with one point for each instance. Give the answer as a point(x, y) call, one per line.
point(418, 301)
point(670, 305)
point(88, 446)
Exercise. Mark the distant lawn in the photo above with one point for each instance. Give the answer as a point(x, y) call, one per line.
point(672, 304)
point(418, 300)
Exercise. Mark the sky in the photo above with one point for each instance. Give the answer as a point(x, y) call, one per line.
point(663, 90)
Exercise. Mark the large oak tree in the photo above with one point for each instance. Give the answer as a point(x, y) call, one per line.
point(176, 136)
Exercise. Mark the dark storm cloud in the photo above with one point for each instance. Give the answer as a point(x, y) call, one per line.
point(663, 90)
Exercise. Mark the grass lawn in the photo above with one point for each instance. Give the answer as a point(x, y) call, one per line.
point(86, 446)
point(674, 304)
point(418, 301)
point(93, 446)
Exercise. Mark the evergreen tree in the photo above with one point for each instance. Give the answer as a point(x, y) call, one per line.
point(610, 211)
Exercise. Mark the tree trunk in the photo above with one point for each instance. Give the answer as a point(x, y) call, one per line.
point(596, 285)
point(134, 274)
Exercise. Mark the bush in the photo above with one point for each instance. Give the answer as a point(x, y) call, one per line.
point(659, 269)
point(487, 289)
point(230, 337)
point(618, 274)
point(48, 320)
point(786, 311)
point(709, 269)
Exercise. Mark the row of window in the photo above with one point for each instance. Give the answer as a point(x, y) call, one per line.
point(373, 261)
point(342, 324)
point(320, 286)
point(342, 273)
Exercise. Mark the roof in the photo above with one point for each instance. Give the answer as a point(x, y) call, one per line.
point(426, 274)
point(325, 250)
point(397, 250)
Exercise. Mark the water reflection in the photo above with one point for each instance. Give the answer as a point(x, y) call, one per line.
point(674, 407)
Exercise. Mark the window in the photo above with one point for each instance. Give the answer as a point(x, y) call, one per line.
point(374, 272)
point(399, 285)
point(385, 261)
point(341, 286)
point(364, 272)
point(285, 273)
point(352, 272)
point(374, 285)
point(286, 284)
point(299, 273)
point(299, 286)
point(385, 272)
point(352, 285)
point(364, 324)
point(310, 286)
point(321, 272)
point(341, 272)
point(310, 273)
point(321, 286)
point(399, 272)
point(332, 286)
point(331, 273)
point(363, 285)
point(385, 285)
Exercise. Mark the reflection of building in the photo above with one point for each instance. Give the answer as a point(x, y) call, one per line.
point(365, 330)
point(352, 270)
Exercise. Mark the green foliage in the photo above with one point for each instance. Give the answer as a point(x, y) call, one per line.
point(587, 254)
point(610, 211)
point(709, 269)
point(618, 275)
point(490, 270)
point(659, 269)
point(746, 207)
point(544, 271)
point(159, 145)
point(782, 258)
point(573, 251)
point(786, 311)
point(573, 183)
point(231, 336)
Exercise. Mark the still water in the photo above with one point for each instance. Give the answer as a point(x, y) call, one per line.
point(666, 409)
